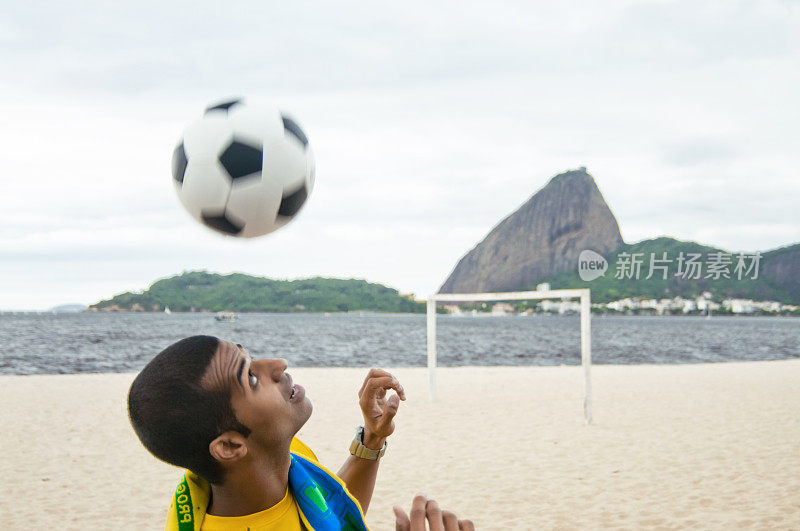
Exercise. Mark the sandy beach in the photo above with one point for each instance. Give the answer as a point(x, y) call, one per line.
point(681, 446)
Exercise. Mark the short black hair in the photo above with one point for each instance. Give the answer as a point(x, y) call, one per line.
point(175, 417)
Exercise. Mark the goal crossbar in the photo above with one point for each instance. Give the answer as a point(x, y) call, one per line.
point(586, 330)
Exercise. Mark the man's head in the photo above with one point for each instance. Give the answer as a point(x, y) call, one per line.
point(205, 405)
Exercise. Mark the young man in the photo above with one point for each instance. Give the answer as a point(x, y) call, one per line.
point(205, 405)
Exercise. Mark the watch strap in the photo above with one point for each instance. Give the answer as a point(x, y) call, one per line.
point(358, 449)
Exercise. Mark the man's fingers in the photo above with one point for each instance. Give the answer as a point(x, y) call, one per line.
point(450, 521)
point(366, 398)
point(401, 521)
point(381, 382)
point(376, 388)
point(389, 411)
point(423, 509)
point(392, 404)
point(418, 512)
point(372, 374)
point(377, 379)
point(434, 514)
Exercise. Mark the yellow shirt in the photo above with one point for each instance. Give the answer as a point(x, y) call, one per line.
point(280, 517)
point(283, 516)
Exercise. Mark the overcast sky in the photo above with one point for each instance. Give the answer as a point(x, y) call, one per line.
point(430, 122)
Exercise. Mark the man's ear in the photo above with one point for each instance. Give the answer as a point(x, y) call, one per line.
point(228, 447)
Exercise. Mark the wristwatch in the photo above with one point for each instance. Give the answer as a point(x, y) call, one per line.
point(358, 449)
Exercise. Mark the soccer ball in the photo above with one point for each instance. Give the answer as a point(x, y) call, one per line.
point(242, 170)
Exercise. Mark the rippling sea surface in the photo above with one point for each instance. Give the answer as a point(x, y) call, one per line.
point(35, 343)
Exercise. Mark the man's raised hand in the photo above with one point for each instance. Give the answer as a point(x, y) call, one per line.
point(379, 411)
point(423, 509)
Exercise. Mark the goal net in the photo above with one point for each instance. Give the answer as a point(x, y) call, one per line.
point(586, 330)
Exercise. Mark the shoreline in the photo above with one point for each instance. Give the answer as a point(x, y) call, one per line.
point(465, 315)
point(447, 367)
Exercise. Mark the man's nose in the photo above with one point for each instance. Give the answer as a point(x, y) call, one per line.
point(275, 367)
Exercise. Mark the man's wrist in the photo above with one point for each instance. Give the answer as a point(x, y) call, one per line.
point(373, 442)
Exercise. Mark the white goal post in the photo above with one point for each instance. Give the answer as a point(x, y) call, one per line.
point(586, 330)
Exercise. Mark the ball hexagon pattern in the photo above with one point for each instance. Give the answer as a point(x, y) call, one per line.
point(241, 160)
point(243, 170)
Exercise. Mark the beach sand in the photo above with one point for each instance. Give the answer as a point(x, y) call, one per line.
point(680, 446)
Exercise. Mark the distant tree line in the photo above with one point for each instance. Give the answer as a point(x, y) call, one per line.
point(204, 291)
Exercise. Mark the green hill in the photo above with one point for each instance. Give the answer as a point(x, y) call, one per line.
point(775, 279)
point(204, 291)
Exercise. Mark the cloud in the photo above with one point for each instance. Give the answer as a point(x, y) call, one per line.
point(430, 124)
point(699, 151)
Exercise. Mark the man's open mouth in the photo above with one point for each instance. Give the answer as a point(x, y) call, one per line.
point(297, 393)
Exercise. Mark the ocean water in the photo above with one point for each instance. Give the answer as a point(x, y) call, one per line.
point(32, 343)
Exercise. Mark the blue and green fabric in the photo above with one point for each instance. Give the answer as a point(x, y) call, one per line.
point(324, 503)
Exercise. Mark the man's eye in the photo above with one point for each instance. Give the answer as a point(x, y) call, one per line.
point(253, 379)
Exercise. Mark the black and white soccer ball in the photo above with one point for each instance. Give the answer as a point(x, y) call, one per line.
point(243, 170)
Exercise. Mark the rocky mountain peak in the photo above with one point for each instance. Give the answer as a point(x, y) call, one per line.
point(542, 238)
